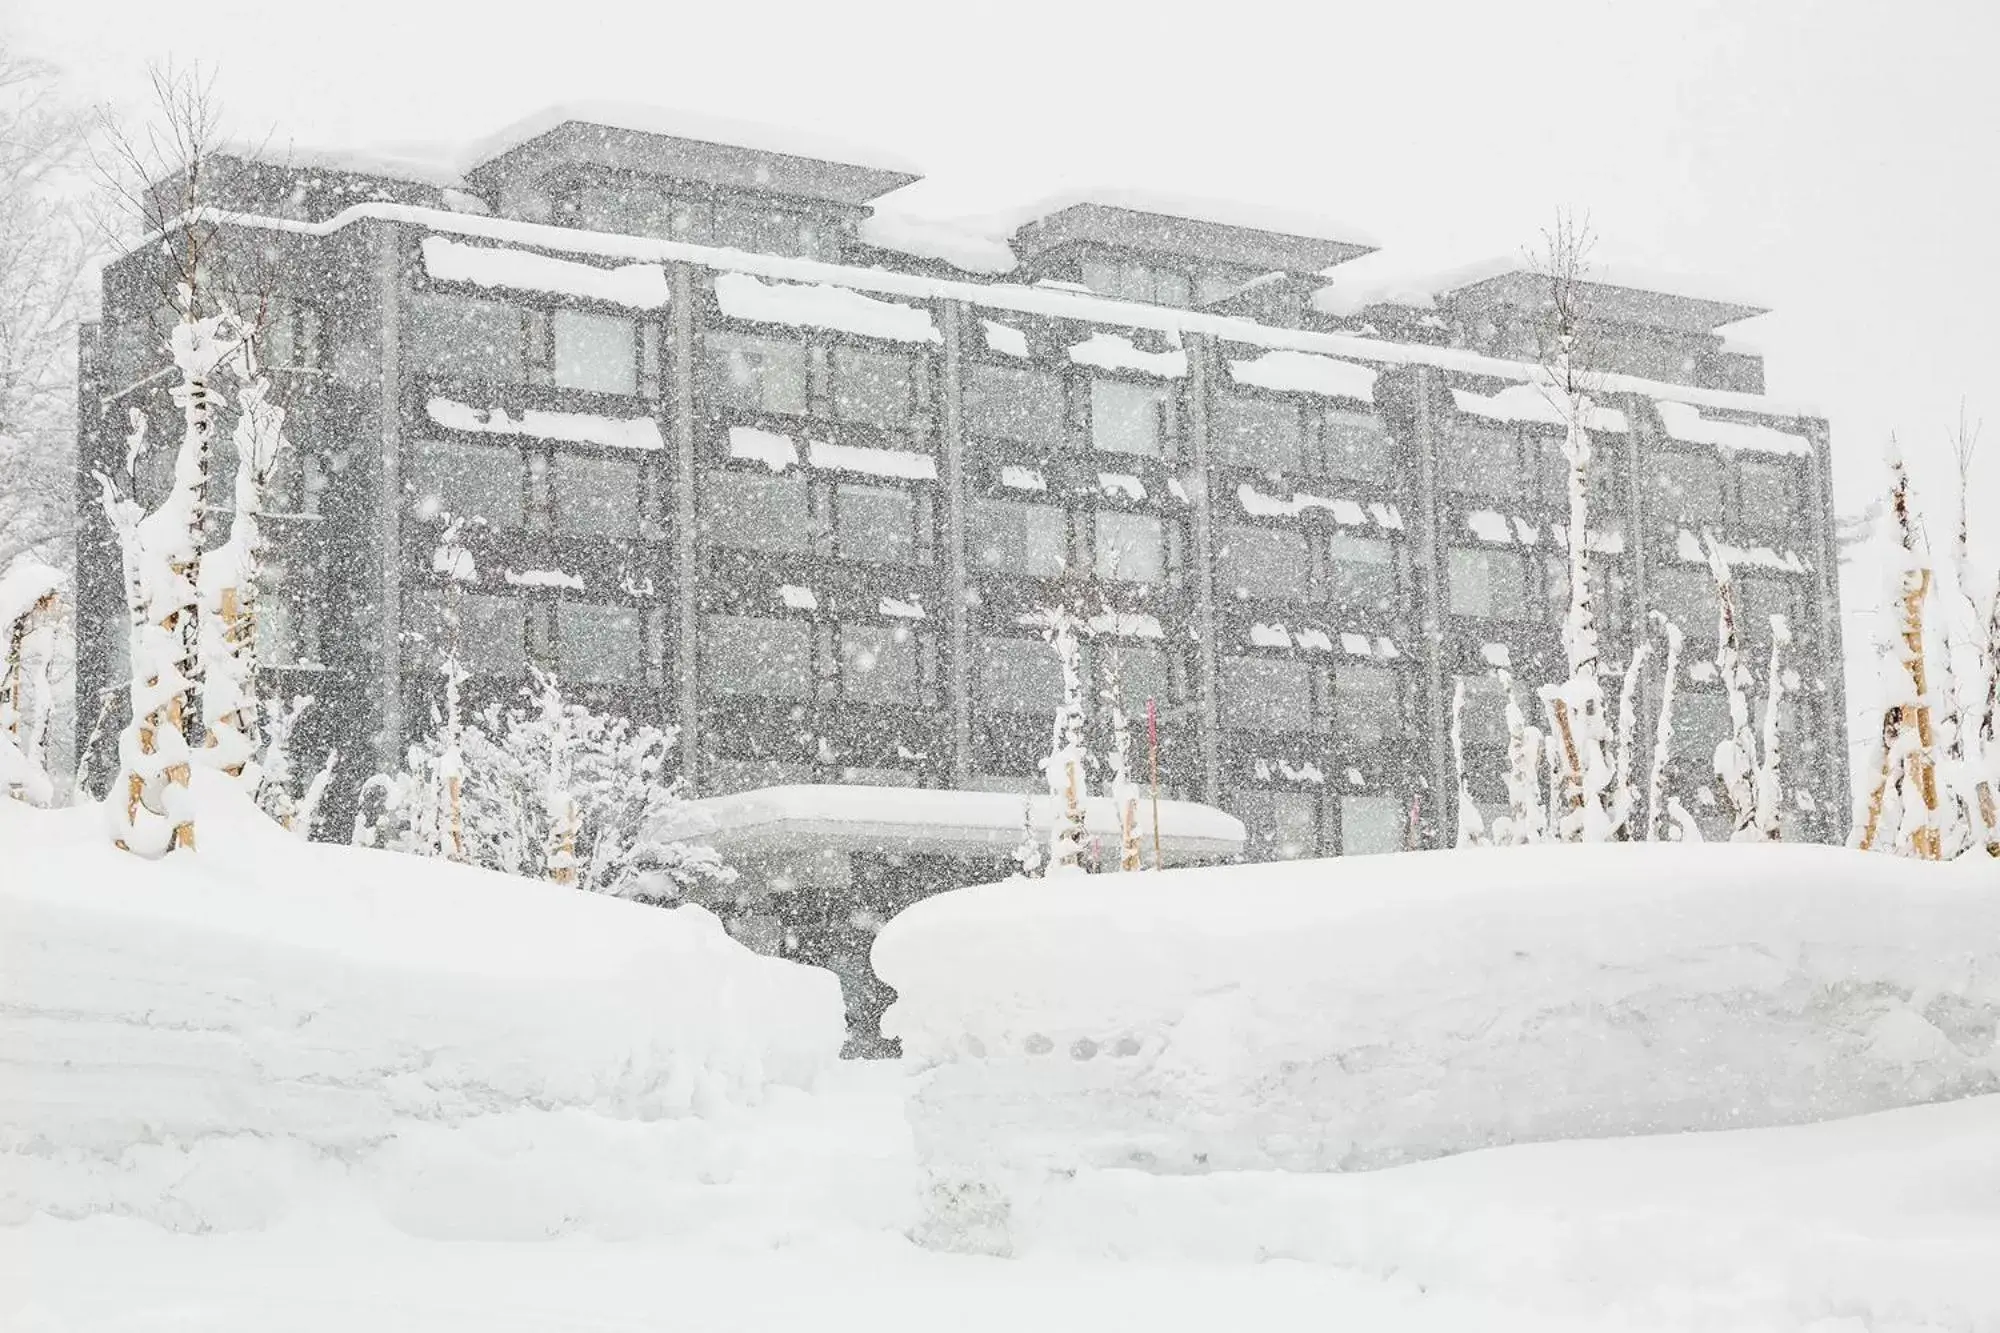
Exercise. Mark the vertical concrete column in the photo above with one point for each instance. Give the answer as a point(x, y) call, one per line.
point(1201, 578)
point(1430, 442)
point(389, 684)
point(686, 552)
point(958, 673)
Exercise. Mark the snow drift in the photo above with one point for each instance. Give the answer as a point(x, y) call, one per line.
point(191, 1040)
point(1352, 1014)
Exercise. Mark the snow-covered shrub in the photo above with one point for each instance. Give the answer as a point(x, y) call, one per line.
point(29, 617)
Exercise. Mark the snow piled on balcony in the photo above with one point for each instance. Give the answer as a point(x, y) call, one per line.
point(1687, 423)
point(966, 250)
point(566, 427)
point(639, 286)
point(820, 306)
point(1537, 405)
point(1115, 351)
point(1306, 372)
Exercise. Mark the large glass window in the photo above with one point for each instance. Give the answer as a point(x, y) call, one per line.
point(873, 387)
point(1361, 572)
point(1488, 583)
point(761, 229)
point(1761, 595)
point(1019, 538)
point(1685, 594)
point(1019, 676)
point(1134, 281)
point(594, 351)
point(1266, 694)
point(1701, 722)
point(467, 336)
point(879, 664)
point(757, 373)
point(1357, 446)
point(1484, 714)
point(771, 658)
point(1263, 562)
point(1367, 702)
point(492, 633)
point(1143, 674)
point(630, 209)
point(1283, 825)
point(1014, 403)
point(1685, 486)
point(1128, 417)
point(596, 497)
point(1257, 432)
point(466, 481)
point(877, 524)
point(1483, 460)
point(1769, 494)
point(756, 512)
point(1372, 824)
point(1131, 548)
point(597, 643)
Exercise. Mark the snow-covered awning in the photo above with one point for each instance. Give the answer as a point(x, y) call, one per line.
point(849, 817)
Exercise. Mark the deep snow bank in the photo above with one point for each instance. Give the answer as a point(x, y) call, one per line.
point(1347, 1014)
point(191, 1040)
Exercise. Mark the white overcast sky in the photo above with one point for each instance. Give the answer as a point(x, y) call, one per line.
point(1835, 161)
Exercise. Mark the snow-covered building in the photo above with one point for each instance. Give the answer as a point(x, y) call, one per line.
point(740, 448)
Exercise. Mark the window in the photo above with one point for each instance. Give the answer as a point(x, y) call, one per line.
point(1768, 494)
point(1488, 583)
point(1761, 595)
point(1262, 562)
point(1131, 548)
point(1257, 432)
point(757, 373)
point(492, 636)
point(762, 229)
point(287, 621)
point(877, 524)
point(1685, 486)
point(598, 352)
point(875, 388)
point(771, 658)
point(1367, 703)
point(756, 512)
point(1019, 676)
point(596, 497)
point(1128, 418)
point(1485, 460)
point(1483, 718)
point(466, 336)
point(1685, 594)
point(466, 481)
point(1014, 403)
point(1283, 825)
point(1372, 824)
point(597, 643)
point(291, 335)
point(1356, 446)
point(1361, 572)
point(1109, 276)
point(879, 664)
point(1018, 538)
point(1143, 674)
point(1266, 694)
point(1701, 722)
point(628, 209)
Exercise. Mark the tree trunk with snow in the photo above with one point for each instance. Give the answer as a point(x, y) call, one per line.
point(1908, 781)
point(1735, 755)
point(1471, 826)
point(1124, 793)
point(1663, 733)
point(1064, 768)
point(1769, 788)
point(1625, 799)
point(1527, 812)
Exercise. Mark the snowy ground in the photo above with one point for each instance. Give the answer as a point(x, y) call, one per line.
point(576, 1114)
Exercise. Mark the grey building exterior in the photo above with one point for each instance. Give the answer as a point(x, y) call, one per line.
point(737, 458)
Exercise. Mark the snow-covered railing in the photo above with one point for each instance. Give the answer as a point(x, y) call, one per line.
point(1114, 351)
point(1349, 513)
point(1323, 1016)
point(821, 306)
point(564, 427)
point(640, 286)
point(1305, 372)
point(778, 452)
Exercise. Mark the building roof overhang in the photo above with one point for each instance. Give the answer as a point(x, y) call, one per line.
point(1262, 240)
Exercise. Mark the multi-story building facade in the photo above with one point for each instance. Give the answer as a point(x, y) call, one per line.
point(734, 455)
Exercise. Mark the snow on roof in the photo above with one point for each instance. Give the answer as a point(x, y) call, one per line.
point(1305, 371)
point(431, 168)
point(852, 815)
point(1193, 207)
point(641, 286)
point(1114, 351)
point(928, 238)
point(570, 427)
point(1040, 300)
point(699, 126)
point(1687, 423)
point(1536, 405)
point(818, 305)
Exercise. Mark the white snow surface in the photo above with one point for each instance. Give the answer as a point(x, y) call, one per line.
point(568, 427)
point(1304, 371)
point(901, 463)
point(1537, 404)
point(640, 286)
point(932, 238)
point(1684, 422)
point(1005, 339)
point(206, 1041)
point(1355, 1014)
point(1114, 351)
point(819, 306)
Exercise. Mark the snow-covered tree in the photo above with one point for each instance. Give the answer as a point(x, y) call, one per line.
point(1663, 732)
point(1124, 794)
point(1028, 854)
point(29, 618)
point(1576, 705)
point(1068, 759)
point(1527, 814)
point(277, 791)
point(1746, 771)
point(1471, 826)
